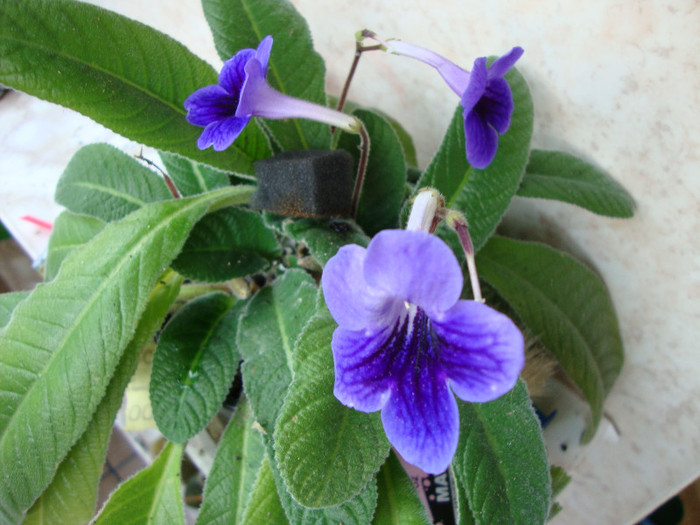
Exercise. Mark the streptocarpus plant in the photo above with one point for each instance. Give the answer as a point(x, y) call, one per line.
point(356, 311)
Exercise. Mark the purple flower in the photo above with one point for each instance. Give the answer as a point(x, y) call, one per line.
point(486, 98)
point(224, 109)
point(406, 342)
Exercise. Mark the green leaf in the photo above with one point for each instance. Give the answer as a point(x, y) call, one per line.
point(230, 482)
point(70, 230)
point(463, 514)
point(294, 67)
point(484, 195)
point(324, 237)
point(72, 495)
point(560, 176)
point(103, 182)
point(266, 335)
point(398, 503)
point(566, 305)
point(8, 302)
point(409, 150)
point(63, 343)
point(325, 452)
point(501, 463)
point(191, 177)
point(382, 190)
point(232, 242)
point(560, 479)
point(194, 365)
point(152, 497)
point(264, 505)
point(4, 234)
point(121, 73)
point(358, 511)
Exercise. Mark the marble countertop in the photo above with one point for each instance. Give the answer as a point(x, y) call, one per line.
point(617, 83)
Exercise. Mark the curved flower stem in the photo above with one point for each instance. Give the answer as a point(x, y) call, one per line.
point(361, 168)
point(359, 49)
point(458, 223)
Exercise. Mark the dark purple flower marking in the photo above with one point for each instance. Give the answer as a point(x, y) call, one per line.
point(406, 342)
point(486, 98)
point(224, 109)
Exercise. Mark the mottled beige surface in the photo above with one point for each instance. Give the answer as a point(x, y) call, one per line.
point(614, 82)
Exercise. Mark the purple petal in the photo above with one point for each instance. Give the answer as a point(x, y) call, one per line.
point(209, 104)
point(476, 87)
point(414, 266)
point(232, 75)
point(481, 350)
point(421, 419)
point(255, 90)
point(496, 106)
point(222, 133)
point(501, 65)
point(262, 54)
point(362, 368)
point(482, 140)
point(353, 304)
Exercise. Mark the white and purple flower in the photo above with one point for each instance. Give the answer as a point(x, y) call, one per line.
point(485, 96)
point(224, 109)
point(406, 342)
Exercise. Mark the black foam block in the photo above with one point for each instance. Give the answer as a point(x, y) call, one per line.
point(308, 183)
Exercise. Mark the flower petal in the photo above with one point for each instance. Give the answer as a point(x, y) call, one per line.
point(496, 106)
point(209, 104)
point(232, 74)
point(476, 87)
point(222, 133)
point(262, 54)
point(421, 419)
point(481, 350)
point(353, 304)
point(501, 65)
point(362, 368)
point(414, 266)
point(482, 140)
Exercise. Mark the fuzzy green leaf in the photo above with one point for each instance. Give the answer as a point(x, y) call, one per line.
point(63, 343)
point(294, 67)
point(325, 452)
point(232, 242)
point(484, 195)
point(383, 187)
point(324, 237)
point(229, 485)
point(264, 505)
point(194, 365)
point(103, 182)
point(70, 230)
point(358, 511)
point(398, 503)
point(566, 305)
point(266, 336)
point(560, 176)
point(152, 497)
point(8, 302)
point(501, 463)
point(71, 497)
point(119, 72)
point(191, 177)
